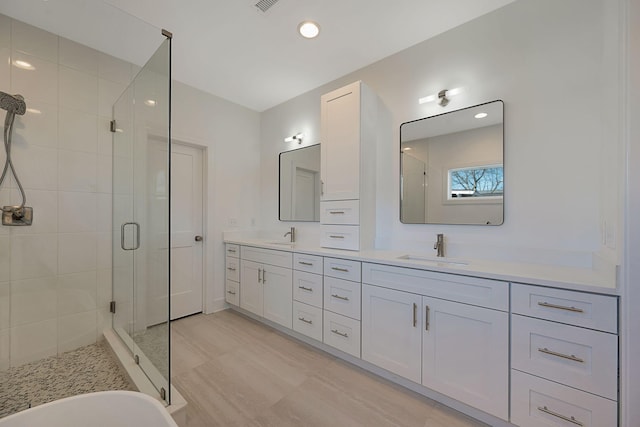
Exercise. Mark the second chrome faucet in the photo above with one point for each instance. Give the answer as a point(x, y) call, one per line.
point(291, 234)
point(439, 246)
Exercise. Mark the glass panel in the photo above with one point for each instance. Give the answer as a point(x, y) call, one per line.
point(141, 217)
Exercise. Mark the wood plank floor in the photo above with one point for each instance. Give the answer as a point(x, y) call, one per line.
point(234, 371)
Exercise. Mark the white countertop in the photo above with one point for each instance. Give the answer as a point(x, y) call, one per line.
point(601, 281)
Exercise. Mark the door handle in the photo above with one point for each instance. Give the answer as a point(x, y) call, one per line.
point(198, 239)
point(122, 230)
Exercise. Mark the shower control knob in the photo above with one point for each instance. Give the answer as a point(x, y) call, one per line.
point(198, 238)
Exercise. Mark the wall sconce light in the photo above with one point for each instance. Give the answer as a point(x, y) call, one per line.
point(297, 137)
point(443, 96)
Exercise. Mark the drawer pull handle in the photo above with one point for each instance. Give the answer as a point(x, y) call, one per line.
point(336, 237)
point(302, 319)
point(562, 417)
point(305, 288)
point(564, 356)
point(415, 314)
point(231, 269)
point(342, 334)
point(233, 251)
point(561, 307)
point(231, 292)
point(305, 263)
point(340, 297)
point(336, 212)
point(344, 270)
point(426, 320)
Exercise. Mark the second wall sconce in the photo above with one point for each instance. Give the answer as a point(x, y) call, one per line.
point(297, 137)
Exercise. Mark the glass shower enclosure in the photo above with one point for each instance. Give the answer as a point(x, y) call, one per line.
point(141, 218)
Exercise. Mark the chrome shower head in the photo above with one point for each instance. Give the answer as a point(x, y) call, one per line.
point(13, 103)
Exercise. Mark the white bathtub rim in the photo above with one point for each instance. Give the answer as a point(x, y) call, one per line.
point(48, 412)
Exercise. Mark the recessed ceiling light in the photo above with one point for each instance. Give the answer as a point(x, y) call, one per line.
point(24, 65)
point(407, 148)
point(150, 102)
point(308, 29)
point(480, 115)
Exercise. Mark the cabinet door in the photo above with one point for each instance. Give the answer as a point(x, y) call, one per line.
point(391, 330)
point(340, 148)
point(250, 288)
point(278, 299)
point(465, 354)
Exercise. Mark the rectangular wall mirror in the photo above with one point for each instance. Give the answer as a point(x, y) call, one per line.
point(300, 184)
point(452, 167)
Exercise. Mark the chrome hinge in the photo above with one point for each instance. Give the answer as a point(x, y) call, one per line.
point(163, 393)
point(137, 359)
point(112, 125)
point(112, 307)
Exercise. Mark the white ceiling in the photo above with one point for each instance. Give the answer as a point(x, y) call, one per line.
point(231, 49)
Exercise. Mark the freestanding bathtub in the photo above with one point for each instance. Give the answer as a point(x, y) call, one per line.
point(101, 409)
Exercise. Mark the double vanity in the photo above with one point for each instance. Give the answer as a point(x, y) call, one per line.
point(509, 344)
point(529, 349)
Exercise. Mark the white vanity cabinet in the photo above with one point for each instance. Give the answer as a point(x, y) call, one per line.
point(465, 354)
point(265, 284)
point(349, 128)
point(564, 348)
point(414, 325)
point(392, 330)
point(232, 274)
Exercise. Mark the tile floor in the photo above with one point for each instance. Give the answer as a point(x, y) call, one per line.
point(234, 371)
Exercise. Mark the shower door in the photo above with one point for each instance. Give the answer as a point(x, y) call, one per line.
point(141, 121)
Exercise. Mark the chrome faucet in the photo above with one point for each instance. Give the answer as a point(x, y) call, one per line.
point(439, 245)
point(291, 234)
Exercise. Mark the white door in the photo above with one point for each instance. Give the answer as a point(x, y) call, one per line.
point(305, 206)
point(465, 354)
point(391, 330)
point(186, 231)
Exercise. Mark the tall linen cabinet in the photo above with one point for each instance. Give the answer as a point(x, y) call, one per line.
point(352, 120)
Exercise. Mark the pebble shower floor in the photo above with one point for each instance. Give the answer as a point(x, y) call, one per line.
point(84, 370)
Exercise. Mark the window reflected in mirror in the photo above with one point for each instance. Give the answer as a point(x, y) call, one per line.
point(299, 195)
point(452, 167)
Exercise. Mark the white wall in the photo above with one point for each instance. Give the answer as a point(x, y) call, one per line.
point(230, 134)
point(55, 276)
point(556, 66)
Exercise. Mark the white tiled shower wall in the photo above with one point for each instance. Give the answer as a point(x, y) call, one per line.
point(55, 276)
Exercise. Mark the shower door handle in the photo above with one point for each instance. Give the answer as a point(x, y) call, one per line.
point(122, 230)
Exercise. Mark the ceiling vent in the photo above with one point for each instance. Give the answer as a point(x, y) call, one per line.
point(265, 5)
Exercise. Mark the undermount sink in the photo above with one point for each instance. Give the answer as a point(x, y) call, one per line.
point(435, 260)
point(280, 242)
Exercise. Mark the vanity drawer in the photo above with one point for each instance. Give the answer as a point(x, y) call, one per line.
point(578, 357)
point(575, 308)
point(342, 297)
point(307, 288)
point(233, 268)
point(342, 333)
point(232, 292)
point(307, 320)
point(233, 250)
point(310, 263)
point(340, 237)
point(342, 269)
point(468, 290)
point(344, 212)
point(536, 402)
point(267, 256)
